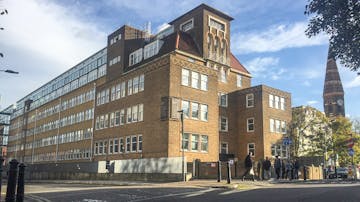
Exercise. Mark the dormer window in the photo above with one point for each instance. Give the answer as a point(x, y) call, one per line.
point(217, 24)
point(186, 26)
point(135, 57)
point(152, 49)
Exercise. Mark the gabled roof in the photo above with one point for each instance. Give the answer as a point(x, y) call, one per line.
point(206, 7)
point(234, 63)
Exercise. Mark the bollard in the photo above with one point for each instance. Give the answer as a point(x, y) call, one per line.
point(1, 169)
point(219, 171)
point(228, 173)
point(304, 171)
point(12, 179)
point(21, 183)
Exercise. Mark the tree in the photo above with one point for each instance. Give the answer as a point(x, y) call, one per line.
point(309, 131)
point(340, 19)
point(342, 133)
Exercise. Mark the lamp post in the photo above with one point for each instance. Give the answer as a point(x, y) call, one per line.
point(182, 144)
point(9, 71)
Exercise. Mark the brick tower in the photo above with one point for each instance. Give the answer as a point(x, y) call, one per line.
point(333, 94)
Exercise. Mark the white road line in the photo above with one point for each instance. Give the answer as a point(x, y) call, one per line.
point(198, 193)
point(37, 198)
point(164, 196)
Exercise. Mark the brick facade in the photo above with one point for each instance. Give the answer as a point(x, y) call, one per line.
point(193, 65)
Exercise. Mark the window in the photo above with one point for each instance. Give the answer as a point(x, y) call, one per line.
point(224, 148)
point(133, 143)
point(185, 106)
point(152, 48)
point(204, 143)
point(185, 141)
point(251, 148)
point(111, 146)
point(123, 89)
point(223, 123)
point(223, 99)
point(140, 143)
point(122, 117)
point(128, 144)
point(250, 125)
point(272, 125)
point(238, 80)
point(271, 101)
point(194, 110)
point(282, 103)
point(185, 77)
point(249, 100)
point(187, 25)
point(117, 118)
point(112, 119)
point(217, 24)
point(278, 150)
point(135, 57)
point(276, 102)
point(195, 80)
point(116, 145)
point(141, 112)
point(135, 84)
point(118, 91)
point(130, 87)
point(141, 82)
point(283, 127)
point(135, 113)
point(204, 82)
point(122, 149)
point(194, 142)
point(128, 114)
point(204, 112)
point(96, 148)
point(277, 126)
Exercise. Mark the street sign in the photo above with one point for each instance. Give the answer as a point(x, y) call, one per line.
point(287, 141)
point(231, 162)
point(351, 152)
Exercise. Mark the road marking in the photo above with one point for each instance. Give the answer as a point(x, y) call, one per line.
point(164, 196)
point(198, 193)
point(37, 198)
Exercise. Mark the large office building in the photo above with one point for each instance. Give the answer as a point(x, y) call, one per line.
point(123, 102)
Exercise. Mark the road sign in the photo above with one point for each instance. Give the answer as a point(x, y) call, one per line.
point(351, 152)
point(287, 141)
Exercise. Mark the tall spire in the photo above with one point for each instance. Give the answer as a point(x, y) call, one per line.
point(333, 94)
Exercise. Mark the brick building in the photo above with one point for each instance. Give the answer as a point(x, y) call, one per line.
point(123, 101)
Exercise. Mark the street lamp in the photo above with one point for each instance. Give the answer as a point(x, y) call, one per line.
point(9, 71)
point(182, 144)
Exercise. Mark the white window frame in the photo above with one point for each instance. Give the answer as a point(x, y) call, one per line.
point(191, 21)
point(247, 124)
point(195, 80)
point(238, 81)
point(250, 100)
point(248, 149)
point(185, 79)
point(226, 148)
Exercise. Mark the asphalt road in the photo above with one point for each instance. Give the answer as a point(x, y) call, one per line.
point(276, 193)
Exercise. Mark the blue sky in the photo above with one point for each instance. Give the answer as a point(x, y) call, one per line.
point(43, 38)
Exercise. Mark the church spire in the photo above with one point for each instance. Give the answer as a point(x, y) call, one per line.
point(333, 94)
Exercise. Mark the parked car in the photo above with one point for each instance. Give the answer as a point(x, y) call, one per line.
point(341, 173)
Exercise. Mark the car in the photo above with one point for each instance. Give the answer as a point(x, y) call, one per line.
point(341, 173)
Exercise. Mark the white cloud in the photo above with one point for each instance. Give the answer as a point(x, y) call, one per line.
point(312, 102)
point(353, 83)
point(275, 38)
point(265, 67)
point(41, 40)
point(261, 64)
